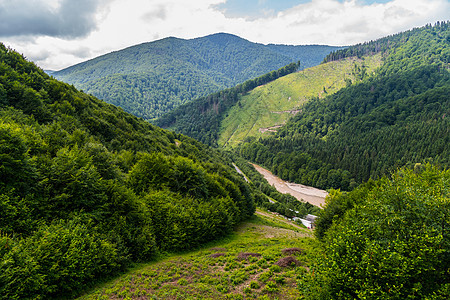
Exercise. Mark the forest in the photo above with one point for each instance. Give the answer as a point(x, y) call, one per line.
point(386, 239)
point(396, 117)
point(88, 190)
point(151, 79)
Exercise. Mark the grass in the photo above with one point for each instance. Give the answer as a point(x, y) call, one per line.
point(242, 266)
point(273, 104)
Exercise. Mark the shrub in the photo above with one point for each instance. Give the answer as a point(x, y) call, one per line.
point(58, 260)
point(394, 243)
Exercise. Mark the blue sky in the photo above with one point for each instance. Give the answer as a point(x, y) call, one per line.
point(263, 8)
point(59, 33)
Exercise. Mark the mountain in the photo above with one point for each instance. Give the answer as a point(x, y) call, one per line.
point(153, 78)
point(395, 117)
point(228, 117)
point(363, 112)
point(86, 189)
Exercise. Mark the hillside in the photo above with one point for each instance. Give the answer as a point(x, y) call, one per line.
point(150, 79)
point(385, 240)
point(396, 117)
point(268, 107)
point(202, 117)
point(86, 189)
point(254, 261)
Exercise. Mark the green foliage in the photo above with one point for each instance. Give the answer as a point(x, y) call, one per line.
point(55, 261)
point(151, 79)
point(201, 118)
point(87, 189)
point(397, 117)
point(394, 242)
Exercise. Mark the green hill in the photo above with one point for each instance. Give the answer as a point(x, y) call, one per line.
point(150, 79)
point(396, 117)
point(86, 189)
point(268, 107)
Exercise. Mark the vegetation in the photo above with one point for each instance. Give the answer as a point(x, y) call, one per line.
point(395, 118)
point(151, 79)
point(87, 189)
point(268, 107)
point(262, 260)
point(201, 118)
point(387, 239)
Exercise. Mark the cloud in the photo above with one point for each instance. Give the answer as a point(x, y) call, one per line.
point(65, 19)
point(159, 12)
point(80, 52)
point(41, 55)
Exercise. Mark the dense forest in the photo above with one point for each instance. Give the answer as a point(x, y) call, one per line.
point(87, 189)
point(396, 117)
point(153, 78)
point(201, 118)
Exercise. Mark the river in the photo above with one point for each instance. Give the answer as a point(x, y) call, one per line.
point(301, 192)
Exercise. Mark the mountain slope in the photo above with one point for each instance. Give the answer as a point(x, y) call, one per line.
point(202, 117)
point(267, 108)
point(150, 79)
point(86, 189)
point(397, 117)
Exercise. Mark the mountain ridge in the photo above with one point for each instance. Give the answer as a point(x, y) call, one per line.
point(152, 78)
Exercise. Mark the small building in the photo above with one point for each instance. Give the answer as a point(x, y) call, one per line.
point(308, 221)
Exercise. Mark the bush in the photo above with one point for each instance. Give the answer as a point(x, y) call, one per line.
point(394, 244)
point(58, 260)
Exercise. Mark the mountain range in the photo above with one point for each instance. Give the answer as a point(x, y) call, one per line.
point(153, 78)
point(398, 84)
point(89, 191)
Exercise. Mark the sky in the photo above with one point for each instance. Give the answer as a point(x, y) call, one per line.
point(56, 34)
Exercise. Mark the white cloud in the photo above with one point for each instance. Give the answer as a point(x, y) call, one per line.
point(123, 23)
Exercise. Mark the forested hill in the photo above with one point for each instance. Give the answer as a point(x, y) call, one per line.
point(202, 117)
point(86, 188)
point(150, 79)
point(397, 117)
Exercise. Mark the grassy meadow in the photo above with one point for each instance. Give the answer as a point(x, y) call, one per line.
point(266, 258)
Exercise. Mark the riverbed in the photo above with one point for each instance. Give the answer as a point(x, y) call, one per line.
point(299, 191)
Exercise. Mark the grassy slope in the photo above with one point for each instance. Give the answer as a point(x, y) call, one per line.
point(266, 106)
point(197, 275)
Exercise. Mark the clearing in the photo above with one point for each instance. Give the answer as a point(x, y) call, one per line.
point(264, 259)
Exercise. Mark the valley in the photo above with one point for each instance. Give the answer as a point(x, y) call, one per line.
point(100, 203)
point(301, 192)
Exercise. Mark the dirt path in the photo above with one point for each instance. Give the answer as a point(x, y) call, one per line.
point(299, 191)
point(280, 219)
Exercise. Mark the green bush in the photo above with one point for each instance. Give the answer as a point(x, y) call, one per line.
point(394, 243)
point(58, 260)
